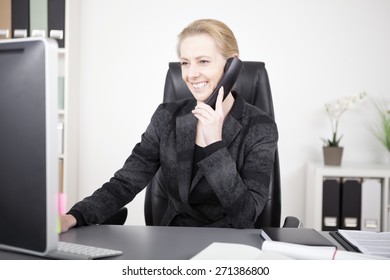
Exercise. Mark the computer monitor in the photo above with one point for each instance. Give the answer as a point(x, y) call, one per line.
point(28, 145)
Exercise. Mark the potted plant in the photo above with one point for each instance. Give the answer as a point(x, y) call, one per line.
point(382, 128)
point(332, 150)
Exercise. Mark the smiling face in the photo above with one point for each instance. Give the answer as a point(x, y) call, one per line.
point(202, 65)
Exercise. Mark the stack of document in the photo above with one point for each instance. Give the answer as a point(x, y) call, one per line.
point(305, 252)
point(367, 242)
point(306, 244)
point(302, 244)
point(275, 250)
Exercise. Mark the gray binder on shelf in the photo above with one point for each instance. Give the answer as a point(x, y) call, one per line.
point(331, 203)
point(351, 198)
point(56, 21)
point(371, 204)
point(20, 18)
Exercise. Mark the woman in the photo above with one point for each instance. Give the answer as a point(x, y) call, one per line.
point(217, 162)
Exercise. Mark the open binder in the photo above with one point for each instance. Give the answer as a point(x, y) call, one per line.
point(344, 242)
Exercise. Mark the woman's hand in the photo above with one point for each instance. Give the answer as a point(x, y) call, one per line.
point(210, 122)
point(67, 221)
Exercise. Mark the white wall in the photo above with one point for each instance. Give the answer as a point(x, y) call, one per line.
point(315, 51)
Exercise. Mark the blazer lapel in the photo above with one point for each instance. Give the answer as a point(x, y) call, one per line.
point(232, 125)
point(230, 130)
point(185, 143)
point(197, 177)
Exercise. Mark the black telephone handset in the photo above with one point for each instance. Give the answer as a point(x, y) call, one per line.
point(231, 72)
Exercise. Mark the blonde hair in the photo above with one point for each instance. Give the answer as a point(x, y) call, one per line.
point(219, 31)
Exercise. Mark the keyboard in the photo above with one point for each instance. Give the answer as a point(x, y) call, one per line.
point(72, 251)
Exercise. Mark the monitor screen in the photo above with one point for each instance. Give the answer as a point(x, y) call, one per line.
point(28, 145)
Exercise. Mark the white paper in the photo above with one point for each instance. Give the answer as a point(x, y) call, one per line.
point(234, 251)
point(299, 252)
point(371, 243)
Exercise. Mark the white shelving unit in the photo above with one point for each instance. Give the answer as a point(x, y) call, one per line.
point(317, 171)
point(69, 69)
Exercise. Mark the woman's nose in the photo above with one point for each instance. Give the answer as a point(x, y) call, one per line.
point(193, 71)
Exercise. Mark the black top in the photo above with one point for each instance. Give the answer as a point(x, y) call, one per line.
point(203, 152)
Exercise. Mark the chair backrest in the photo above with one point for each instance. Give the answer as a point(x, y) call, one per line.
point(253, 85)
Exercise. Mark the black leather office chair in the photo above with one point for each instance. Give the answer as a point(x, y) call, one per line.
point(119, 218)
point(253, 85)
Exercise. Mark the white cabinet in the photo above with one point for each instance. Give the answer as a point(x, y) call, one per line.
point(316, 172)
point(68, 107)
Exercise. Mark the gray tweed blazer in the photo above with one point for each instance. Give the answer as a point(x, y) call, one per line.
point(230, 187)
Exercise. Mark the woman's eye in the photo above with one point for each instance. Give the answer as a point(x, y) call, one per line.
point(203, 61)
point(183, 63)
